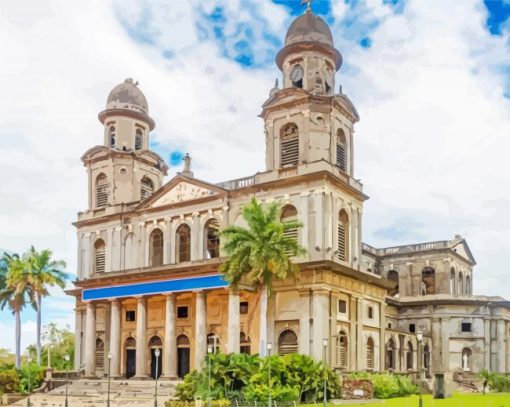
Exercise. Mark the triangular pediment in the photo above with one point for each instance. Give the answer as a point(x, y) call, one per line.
point(181, 189)
point(462, 249)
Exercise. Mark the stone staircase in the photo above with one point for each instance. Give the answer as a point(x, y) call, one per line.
point(93, 393)
point(468, 382)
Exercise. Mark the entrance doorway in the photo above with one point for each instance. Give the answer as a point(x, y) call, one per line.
point(183, 356)
point(156, 343)
point(130, 357)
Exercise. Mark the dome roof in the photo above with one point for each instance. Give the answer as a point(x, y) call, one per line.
point(127, 95)
point(309, 28)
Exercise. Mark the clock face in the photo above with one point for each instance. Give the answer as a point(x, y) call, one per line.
point(297, 73)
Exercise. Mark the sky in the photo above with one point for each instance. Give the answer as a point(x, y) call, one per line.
point(430, 79)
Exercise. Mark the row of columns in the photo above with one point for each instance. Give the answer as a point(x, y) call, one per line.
point(169, 361)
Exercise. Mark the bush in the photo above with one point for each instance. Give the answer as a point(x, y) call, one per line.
point(238, 376)
point(388, 385)
point(497, 381)
point(9, 381)
point(214, 403)
point(31, 377)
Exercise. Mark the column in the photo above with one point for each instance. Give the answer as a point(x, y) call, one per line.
point(166, 241)
point(170, 349)
point(500, 340)
point(200, 329)
point(304, 322)
point(320, 310)
point(435, 353)
point(90, 341)
point(233, 322)
point(353, 310)
point(77, 339)
point(360, 343)
point(141, 339)
point(487, 343)
point(445, 343)
point(382, 338)
point(115, 337)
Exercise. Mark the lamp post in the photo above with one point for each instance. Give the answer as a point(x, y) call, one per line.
point(269, 347)
point(29, 360)
point(210, 350)
point(110, 357)
point(324, 347)
point(157, 352)
point(67, 359)
point(419, 336)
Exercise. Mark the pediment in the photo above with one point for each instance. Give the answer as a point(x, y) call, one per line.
point(182, 189)
point(462, 249)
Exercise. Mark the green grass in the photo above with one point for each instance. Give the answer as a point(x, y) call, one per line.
point(458, 400)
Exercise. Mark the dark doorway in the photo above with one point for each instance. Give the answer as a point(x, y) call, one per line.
point(182, 362)
point(130, 363)
point(153, 363)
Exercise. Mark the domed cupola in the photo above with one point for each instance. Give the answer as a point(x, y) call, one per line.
point(127, 99)
point(309, 32)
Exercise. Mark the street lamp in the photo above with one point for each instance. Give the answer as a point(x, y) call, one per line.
point(419, 336)
point(210, 350)
point(269, 347)
point(110, 357)
point(157, 352)
point(67, 359)
point(29, 360)
point(324, 347)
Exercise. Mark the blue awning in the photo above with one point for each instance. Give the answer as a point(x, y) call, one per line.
point(155, 287)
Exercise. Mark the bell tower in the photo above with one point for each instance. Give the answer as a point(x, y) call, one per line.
point(306, 121)
point(123, 170)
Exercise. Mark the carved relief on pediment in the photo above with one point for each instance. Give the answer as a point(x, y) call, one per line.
point(183, 191)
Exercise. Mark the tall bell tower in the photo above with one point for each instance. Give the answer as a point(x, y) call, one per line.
point(123, 170)
point(306, 121)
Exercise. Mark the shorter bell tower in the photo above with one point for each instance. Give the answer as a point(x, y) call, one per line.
point(123, 170)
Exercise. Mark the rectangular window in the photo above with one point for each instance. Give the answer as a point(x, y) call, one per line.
point(370, 312)
point(130, 316)
point(342, 306)
point(466, 327)
point(389, 325)
point(182, 312)
point(243, 307)
point(412, 328)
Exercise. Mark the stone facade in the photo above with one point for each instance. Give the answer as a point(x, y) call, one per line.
point(148, 252)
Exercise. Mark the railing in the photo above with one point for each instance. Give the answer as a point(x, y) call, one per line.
point(238, 183)
point(420, 247)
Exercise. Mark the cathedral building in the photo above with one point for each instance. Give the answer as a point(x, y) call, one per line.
point(149, 252)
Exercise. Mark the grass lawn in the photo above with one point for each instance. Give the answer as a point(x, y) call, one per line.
point(458, 400)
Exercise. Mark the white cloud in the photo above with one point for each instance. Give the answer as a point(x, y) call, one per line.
point(431, 145)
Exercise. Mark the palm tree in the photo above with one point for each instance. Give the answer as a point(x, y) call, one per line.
point(14, 292)
point(44, 273)
point(260, 253)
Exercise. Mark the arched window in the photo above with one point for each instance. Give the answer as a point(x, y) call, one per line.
point(155, 342)
point(183, 243)
point(111, 136)
point(428, 281)
point(146, 188)
point(468, 285)
point(99, 353)
point(138, 139)
point(409, 356)
point(245, 343)
point(99, 256)
point(289, 145)
point(212, 239)
point(130, 343)
point(393, 277)
point(370, 354)
point(341, 350)
point(287, 342)
point(461, 284)
point(343, 236)
point(452, 281)
point(101, 191)
point(156, 248)
point(213, 341)
point(341, 150)
point(390, 354)
point(289, 214)
point(296, 76)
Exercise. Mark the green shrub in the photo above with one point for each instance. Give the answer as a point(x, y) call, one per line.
point(214, 403)
point(388, 385)
point(9, 381)
point(31, 377)
point(498, 382)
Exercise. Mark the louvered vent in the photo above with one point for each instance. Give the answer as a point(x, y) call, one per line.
point(102, 196)
point(341, 157)
point(100, 259)
point(342, 241)
point(290, 152)
point(341, 351)
point(146, 188)
point(370, 354)
point(287, 343)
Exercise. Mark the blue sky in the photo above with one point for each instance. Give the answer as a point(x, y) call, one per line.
point(414, 72)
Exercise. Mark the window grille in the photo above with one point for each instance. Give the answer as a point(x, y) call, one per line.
point(101, 191)
point(289, 213)
point(341, 159)
point(99, 354)
point(100, 258)
point(370, 354)
point(287, 343)
point(138, 139)
point(342, 232)
point(341, 350)
point(146, 188)
point(289, 154)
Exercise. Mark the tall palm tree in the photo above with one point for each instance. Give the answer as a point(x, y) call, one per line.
point(260, 253)
point(15, 291)
point(44, 273)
